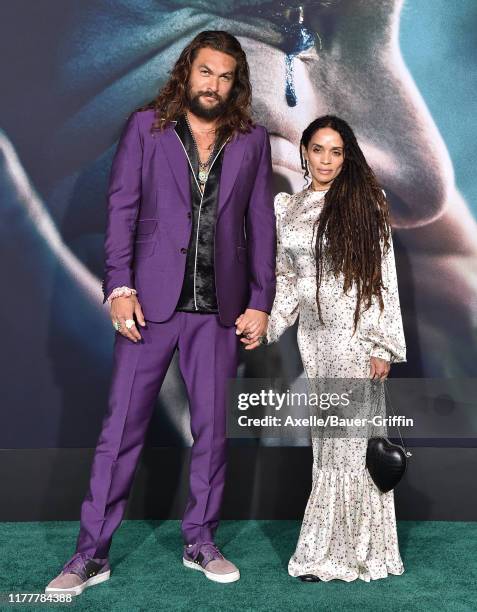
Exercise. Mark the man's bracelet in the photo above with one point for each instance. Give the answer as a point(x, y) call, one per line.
point(121, 292)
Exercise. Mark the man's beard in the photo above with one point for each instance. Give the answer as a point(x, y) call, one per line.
point(210, 113)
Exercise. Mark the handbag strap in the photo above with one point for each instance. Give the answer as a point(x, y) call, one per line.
point(388, 397)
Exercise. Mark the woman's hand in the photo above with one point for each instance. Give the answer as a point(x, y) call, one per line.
point(124, 308)
point(379, 368)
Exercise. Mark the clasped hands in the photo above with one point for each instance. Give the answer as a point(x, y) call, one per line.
point(252, 326)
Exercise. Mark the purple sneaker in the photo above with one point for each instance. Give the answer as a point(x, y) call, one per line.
point(207, 558)
point(79, 573)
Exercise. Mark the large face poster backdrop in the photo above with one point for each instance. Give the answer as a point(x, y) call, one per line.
point(400, 74)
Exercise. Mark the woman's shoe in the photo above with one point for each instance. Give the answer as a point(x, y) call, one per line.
point(309, 578)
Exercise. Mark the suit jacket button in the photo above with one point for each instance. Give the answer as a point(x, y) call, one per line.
point(183, 250)
point(189, 215)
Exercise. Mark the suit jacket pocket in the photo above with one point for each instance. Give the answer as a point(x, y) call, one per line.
point(145, 226)
point(144, 248)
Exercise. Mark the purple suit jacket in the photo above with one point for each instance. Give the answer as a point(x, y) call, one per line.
point(149, 225)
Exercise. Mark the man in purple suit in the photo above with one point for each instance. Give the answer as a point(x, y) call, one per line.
point(190, 248)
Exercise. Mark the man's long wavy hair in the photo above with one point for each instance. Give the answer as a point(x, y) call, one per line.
point(171, 101)
point(353, 230)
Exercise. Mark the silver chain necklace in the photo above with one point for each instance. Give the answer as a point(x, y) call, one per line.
point(203, 166)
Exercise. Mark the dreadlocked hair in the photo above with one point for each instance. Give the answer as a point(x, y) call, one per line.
point(353, 230)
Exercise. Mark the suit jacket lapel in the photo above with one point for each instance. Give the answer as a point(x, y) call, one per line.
point(232, 159)
point(179, 165)
point(177, 160)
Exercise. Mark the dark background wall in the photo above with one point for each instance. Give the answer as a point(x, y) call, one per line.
point(405, 78)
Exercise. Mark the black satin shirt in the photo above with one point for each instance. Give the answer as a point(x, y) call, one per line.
point(198, 289)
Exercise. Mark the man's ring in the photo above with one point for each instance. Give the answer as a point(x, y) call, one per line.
point(117, 325)
point(129, 323)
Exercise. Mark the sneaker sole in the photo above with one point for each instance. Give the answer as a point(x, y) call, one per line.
point(222, 578)
point(77, 590)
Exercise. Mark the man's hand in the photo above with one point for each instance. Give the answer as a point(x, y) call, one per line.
point(123, 308)
point(379, 368)
point(253, 325)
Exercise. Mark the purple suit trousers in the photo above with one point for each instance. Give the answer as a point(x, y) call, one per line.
point(208, 356)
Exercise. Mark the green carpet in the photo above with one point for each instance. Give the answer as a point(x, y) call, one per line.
point(440, 560)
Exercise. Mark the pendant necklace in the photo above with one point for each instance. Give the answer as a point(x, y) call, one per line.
point(203, 166)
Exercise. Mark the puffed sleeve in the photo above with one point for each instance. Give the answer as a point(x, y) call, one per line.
point(383, 330)
point(285, 307)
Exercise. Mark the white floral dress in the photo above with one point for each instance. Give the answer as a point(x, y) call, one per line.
point(349, 526)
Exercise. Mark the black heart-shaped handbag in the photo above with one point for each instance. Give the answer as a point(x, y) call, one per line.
point(386, 462)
